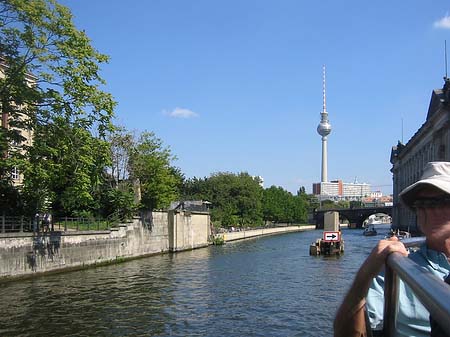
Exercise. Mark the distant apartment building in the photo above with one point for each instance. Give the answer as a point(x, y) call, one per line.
point(338, 190)
point(377, 200)
point(6, 122)
point(376, 194)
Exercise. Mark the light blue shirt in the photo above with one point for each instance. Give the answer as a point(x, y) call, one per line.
point(412, 319)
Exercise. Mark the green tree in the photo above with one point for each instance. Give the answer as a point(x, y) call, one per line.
point(274, 204)
point(121, 144)
point(356, 204)
point(343, 204)
point(328, 204)
point(248, 193)
point(195, 189)
point(280, 205)
point(117, 197)
point(300, 209)
point(150, 163)
point(312, 202)
point(301, 191)
point(236, 198)
point(51, 88)
point(66, 169)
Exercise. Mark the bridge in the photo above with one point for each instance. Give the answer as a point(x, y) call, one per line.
point(354, 216)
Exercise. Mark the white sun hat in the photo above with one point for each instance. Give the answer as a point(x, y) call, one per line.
point(435, 174)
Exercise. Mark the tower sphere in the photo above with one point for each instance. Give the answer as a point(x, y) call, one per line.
point(324, 129)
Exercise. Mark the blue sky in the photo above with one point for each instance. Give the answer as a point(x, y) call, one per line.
point(237, 85)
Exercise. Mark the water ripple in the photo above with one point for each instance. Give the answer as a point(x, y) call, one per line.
point(263, 287)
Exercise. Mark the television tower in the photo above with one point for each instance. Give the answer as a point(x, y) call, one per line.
point(324, 130)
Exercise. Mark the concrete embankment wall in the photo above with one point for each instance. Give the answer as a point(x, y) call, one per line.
point(233, 236)
point(24, 254)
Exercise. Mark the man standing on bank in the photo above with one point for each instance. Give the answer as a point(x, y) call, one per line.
point(430, 198)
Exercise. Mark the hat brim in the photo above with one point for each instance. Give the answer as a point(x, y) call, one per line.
point(409, 194)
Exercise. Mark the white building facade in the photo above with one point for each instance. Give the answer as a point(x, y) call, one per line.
point(338, 190)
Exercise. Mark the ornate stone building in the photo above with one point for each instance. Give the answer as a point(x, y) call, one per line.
point(430, 143)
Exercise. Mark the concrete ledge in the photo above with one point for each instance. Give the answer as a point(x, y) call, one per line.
point(16, 235)
point(242, 235)
point(184, 249)
point(54, 233)
point(32, 254)
point(68, 269)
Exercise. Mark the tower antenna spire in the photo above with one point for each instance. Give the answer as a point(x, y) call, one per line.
point(324, 90)
point(324, 130)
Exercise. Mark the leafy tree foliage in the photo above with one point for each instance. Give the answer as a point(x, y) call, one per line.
point(121, 146)
point(117, 202)
point(195, 189)
point(66, 169)
point(117, 197)
point(236, 198)
point(11, 201)
point(144, 163)
point(328, 204)
point(150, 164)
point(51, 70)
point(280, 205)
point(356, 204)
point(50, 89)
point(275, 204)
point(343, 204)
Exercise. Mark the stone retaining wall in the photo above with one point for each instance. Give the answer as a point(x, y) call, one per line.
point(232, 236)
point(30, 253)
point(23, 254)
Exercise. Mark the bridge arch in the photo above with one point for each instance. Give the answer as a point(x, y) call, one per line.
point(355, 216)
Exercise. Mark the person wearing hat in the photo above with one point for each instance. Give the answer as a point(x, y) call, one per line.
point(430, 198)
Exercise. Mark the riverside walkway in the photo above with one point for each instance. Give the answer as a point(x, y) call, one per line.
point(253, 233)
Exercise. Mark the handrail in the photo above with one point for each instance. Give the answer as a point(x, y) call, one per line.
point(432, 291)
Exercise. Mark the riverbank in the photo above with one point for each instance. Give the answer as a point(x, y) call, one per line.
point(253, 233)
point(30, 254)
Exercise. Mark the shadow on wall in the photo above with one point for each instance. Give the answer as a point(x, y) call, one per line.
point(147, 220)
point(45, 245)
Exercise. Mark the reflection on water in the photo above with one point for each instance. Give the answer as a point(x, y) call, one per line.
point(263, 287)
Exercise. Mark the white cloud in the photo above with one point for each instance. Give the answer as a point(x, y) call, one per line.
point(443, 23)
point(181, 113)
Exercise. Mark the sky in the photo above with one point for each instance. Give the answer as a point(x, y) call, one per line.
point(236, 85)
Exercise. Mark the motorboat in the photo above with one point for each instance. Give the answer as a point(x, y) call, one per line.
point(370, 230)
point(399, 234)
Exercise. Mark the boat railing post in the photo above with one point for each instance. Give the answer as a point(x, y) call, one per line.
point(390, 301)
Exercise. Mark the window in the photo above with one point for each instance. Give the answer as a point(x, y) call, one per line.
point(15, 174)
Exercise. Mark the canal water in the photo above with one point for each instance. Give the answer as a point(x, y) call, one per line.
point(260, 287)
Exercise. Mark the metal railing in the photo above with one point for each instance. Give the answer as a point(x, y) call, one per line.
point(19, 224)
point(11, 224)
point(80, 224)
point(432, 291)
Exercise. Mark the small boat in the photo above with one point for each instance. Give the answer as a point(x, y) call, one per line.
point(370, 230)
point(399, 234)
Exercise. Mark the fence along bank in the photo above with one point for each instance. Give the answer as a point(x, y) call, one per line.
point(23, 254)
